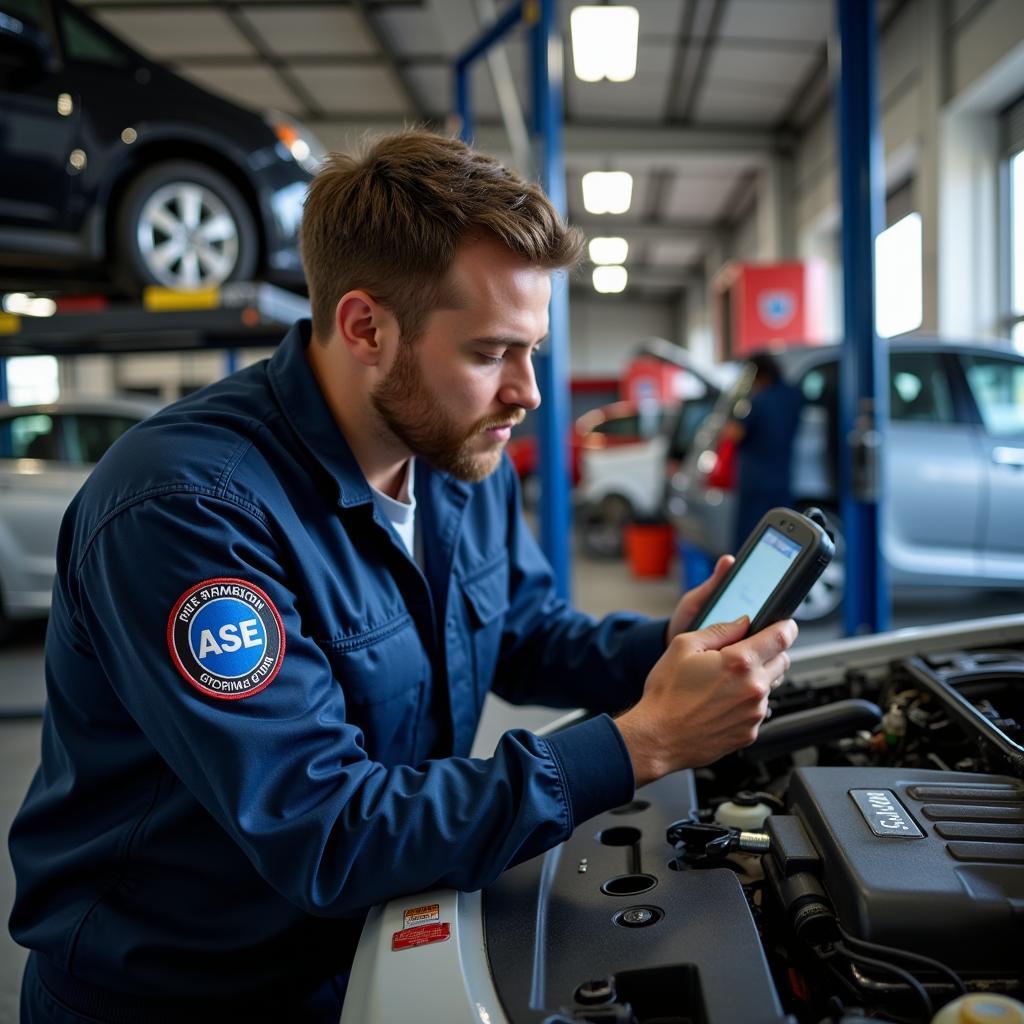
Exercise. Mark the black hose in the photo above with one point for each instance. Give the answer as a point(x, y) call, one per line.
point(881, 965)
point(905, 954)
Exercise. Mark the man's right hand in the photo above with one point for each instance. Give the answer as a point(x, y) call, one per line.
point(706, 697)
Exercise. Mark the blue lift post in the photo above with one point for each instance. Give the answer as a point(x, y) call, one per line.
point(3, 379)
point(864, 366)
point(553, 366)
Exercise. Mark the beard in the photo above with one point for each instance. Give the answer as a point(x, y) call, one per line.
point(410, 411)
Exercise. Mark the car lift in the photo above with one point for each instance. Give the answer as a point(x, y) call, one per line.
point(237, 315)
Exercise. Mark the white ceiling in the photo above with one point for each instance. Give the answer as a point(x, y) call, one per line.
point(721, 86)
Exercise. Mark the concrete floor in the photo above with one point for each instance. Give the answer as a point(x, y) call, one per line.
point(598, 588)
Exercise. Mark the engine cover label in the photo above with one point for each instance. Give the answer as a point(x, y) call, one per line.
point(884, 813)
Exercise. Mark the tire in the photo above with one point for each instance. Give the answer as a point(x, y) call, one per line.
point(183, 225)
point(603, 525)
point(826, 596)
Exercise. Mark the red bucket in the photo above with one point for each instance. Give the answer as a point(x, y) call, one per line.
point(649, 548)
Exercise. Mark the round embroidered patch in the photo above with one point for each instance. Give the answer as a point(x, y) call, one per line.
point(226, 638)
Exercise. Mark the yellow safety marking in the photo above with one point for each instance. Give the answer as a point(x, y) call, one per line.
point(166, 300)
point(9, 323)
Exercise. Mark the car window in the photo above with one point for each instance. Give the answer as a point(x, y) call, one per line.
point(684, 425)
point(83, 42)
point(998, 388)
point(919, 388)
point(88, 435)
point(621, 426)
point(32, 436)
point(818, 384)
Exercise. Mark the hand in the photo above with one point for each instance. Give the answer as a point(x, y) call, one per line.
point(693, 600)
point(706, 697)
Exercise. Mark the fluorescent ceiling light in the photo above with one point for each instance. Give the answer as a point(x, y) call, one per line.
point(610, 280)
point(608, 250)
point(607, 191)
point(604, 42)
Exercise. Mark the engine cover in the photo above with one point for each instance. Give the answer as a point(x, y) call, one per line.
point(926, 861)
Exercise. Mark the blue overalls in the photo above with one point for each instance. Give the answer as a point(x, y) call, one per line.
point(765, 468)
point(260, 710)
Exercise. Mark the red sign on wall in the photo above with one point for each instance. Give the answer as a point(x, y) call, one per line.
point(767, 305)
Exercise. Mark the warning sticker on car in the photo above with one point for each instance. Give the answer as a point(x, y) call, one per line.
point(422, 915)
point(421, 935)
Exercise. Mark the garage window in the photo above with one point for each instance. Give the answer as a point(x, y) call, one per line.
point(1012, 241)
point(1017, 247)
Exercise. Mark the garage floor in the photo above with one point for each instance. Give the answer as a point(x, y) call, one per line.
point(599, 587)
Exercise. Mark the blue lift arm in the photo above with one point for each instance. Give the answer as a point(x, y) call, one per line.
point(541, 16)
point(864, 366)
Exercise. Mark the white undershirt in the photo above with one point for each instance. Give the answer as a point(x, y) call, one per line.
point(401, 511)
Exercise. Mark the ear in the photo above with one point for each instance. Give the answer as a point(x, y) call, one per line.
point(363, 325)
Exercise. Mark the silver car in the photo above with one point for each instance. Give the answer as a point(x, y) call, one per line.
point(953, 466)
point(46, 452)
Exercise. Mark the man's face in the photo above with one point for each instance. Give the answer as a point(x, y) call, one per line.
point(453, 396)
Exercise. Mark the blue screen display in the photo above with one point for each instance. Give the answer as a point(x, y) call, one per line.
point(759, 574)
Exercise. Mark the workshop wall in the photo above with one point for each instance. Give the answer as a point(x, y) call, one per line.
point(945, 72)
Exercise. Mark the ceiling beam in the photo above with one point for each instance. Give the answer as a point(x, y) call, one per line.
point(368, 15)
point(701, 71)
point(648, 231)
point(279, 68)
point(605, 139)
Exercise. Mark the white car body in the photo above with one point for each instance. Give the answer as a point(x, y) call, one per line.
point(46, 454)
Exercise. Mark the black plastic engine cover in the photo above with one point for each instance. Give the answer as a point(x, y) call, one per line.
point(927, 861)
point(550, 929)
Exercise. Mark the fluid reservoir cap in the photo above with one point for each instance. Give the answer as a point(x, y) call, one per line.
point(744, 816)
point(981, 1008)
point(596, 993)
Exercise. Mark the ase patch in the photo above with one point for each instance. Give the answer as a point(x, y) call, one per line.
point(226, 638)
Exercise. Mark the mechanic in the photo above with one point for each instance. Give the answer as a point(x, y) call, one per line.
point(281, 602)
point(764, 434)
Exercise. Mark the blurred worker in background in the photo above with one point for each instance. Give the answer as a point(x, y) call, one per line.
point(764, 431)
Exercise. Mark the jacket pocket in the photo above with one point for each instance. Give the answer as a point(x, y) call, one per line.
point(486, 593)
point(385, 676)
point(486, 597)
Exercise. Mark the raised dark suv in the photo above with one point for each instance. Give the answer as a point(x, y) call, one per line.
point(111, 163)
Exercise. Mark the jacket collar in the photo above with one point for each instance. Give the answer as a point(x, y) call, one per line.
point(306, 410)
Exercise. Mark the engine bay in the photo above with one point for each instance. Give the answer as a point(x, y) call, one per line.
point(864, 860)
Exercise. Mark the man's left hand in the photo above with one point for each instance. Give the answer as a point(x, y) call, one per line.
point(693, 600)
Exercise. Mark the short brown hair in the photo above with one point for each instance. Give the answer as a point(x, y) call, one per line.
point(389, 219)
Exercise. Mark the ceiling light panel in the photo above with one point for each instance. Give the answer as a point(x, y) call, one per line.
point(608, 250)
point(604, 42)
point(607, 191)
point(610, 280)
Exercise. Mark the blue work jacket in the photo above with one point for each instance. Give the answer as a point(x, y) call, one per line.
point(260, 709)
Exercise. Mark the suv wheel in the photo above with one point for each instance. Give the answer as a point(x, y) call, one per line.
point(184, 226)
point(825, 598)
point(603, 526)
